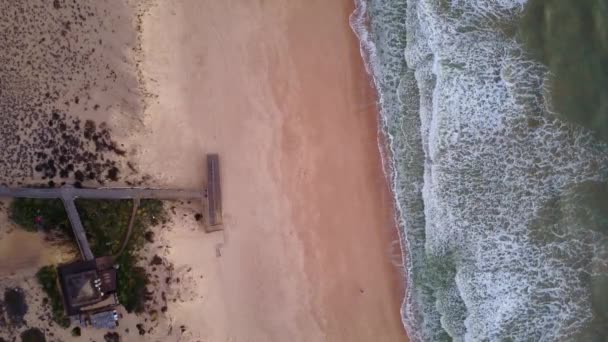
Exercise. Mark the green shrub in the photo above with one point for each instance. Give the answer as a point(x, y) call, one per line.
point(47, 278)
point(106, 223)
point(23, 211)
point(76, 332)
point(131, 284)
point(33, 335)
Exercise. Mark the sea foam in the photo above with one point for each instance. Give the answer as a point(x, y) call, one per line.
point(479, 168)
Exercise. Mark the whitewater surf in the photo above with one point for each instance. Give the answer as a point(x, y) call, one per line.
point(492, 190)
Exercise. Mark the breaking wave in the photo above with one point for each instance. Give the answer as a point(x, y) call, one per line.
point(489, 184)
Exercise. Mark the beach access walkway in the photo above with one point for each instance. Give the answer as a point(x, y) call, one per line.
point(69, 194)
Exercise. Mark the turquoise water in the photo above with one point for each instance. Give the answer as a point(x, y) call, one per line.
point(502, 206)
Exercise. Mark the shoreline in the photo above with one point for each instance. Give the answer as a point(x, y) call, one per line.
point(360, 104)
point(360, 23)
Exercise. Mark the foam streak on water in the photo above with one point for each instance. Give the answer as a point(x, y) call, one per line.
point(479, 167)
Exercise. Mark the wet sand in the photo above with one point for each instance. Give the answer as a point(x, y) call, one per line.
point(278, 89)
point(342, 206)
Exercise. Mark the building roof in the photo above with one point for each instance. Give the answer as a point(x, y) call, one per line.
point(83, 283)
point(103, 320)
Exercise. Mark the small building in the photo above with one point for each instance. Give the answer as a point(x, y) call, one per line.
point(103, 319)
point(89, 290)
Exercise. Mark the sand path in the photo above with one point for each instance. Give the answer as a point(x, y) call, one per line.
point(278, 89)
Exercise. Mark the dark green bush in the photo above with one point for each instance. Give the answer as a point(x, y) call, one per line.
point(33, 335)
point(47, 278)
point(76, 332)
point(106, 223)
point(23, 211)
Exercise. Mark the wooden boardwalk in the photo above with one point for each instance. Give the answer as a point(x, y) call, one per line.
point(78, 229)
point(101, 193)
point(69, 194)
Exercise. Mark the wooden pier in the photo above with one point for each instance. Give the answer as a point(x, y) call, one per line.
point(214, 194)
point(69, 194)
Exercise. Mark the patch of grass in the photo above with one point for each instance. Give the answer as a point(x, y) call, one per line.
point(132, 283)
point(47, 278)
point(571, 39)
point(106, 223)
point(23, 211)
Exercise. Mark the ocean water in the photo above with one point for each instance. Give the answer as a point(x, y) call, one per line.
point(501, 206)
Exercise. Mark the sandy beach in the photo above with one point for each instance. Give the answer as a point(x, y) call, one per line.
point(279, 90)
